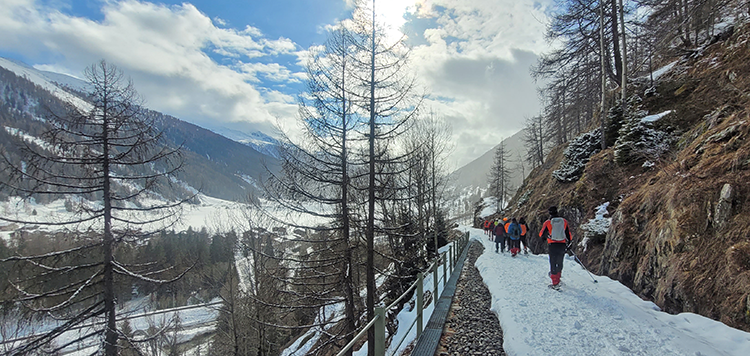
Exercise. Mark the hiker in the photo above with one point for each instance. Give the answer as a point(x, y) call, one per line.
point(492, 229)
point(556, 231)
point(524, 229)
point(506, 224)
point(499, 237)
point(514, 233)
point(486, 226)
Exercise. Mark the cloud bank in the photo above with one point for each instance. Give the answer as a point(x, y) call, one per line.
point(472, 58)
point(170, 52)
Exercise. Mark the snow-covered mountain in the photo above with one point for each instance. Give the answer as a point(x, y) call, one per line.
point(258, 140)
point(469, 184)
point(475, 173)
point(214, 164)
point(54, 83)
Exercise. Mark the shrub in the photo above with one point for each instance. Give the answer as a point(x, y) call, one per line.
point(576, 156)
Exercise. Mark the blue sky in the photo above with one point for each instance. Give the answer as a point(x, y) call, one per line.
point(239, 64)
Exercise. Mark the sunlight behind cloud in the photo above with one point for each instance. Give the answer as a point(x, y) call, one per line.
point(391, 13)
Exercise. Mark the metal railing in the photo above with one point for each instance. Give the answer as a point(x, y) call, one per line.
point(448, 259)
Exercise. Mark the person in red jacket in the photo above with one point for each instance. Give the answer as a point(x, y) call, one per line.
point(558, 236)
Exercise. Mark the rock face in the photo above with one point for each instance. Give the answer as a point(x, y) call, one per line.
point(680, 228)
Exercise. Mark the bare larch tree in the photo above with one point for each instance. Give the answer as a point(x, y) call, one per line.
point(105, 155)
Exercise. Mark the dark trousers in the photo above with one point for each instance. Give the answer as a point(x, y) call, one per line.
point(556, 255)
point(500, 241)
point(523, 240)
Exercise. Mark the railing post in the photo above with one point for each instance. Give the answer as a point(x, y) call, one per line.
point(435, 279)
point(379, 331)
point(455, 252)
point(445, 266)
point(450, 257)
point(420, 302)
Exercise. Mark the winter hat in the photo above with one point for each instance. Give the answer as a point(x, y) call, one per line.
point(553, 210)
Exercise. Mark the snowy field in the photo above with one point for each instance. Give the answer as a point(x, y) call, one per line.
point(216, 215)
point(587, 318)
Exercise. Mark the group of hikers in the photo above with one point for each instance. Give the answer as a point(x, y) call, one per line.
point(507, 233)
point(512, 233)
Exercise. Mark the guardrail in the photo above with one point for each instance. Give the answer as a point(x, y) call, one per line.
point(448, 259)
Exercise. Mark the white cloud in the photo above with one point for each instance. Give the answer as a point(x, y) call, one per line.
point(473, 59)
point(475, 64)
point(271, 71)
point(164, 49)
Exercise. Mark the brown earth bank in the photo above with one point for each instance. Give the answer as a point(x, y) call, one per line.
point(680, 232)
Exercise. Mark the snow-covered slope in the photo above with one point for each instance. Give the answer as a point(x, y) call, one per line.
point(46, 81)
point(475, 173)
point(257, 140)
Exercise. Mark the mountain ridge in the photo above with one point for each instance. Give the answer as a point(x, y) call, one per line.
point(215, 165)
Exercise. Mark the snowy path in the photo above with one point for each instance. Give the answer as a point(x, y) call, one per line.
point(587, 318)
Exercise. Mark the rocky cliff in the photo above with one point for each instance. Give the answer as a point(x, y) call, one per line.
point(677, 218)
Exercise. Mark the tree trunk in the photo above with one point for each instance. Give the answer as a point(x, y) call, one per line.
point(370, 269)
point(110, 338)
point(615, 43)
point(603, 74)
point(624, 80)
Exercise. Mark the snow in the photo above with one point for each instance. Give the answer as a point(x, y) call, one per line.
point(587, 318)
point(405, 318)
point(599, 225)
point(652, 118)
point(194, 321)
point(659, 72)
point(28, 138)
point(39, 78)
point(489, 207)
point(212, 213)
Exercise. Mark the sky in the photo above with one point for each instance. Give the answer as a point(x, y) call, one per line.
point(239, 64)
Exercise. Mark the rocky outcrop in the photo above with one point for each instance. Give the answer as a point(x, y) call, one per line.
point(680, 228)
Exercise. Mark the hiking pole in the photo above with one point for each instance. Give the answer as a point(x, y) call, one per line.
point(581, 263)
